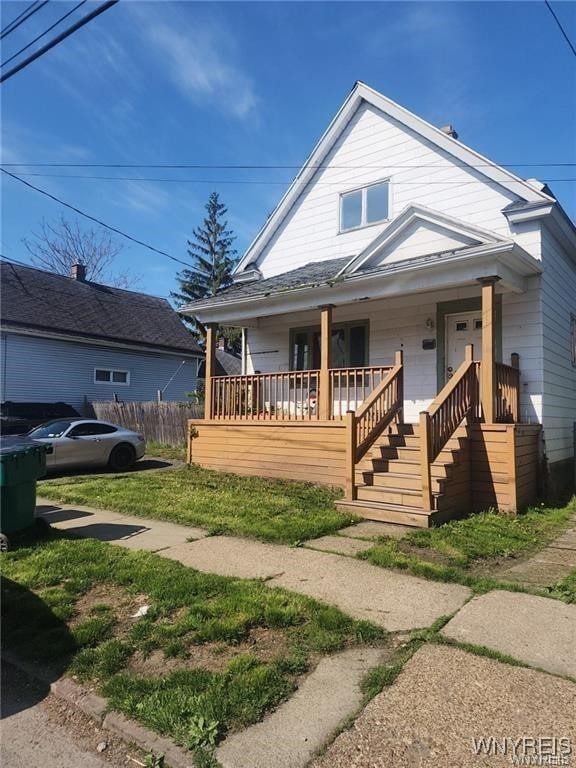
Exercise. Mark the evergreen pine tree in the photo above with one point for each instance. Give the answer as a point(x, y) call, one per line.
point(212, 258)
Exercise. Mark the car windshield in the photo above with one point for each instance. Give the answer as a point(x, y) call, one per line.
point(53, 429)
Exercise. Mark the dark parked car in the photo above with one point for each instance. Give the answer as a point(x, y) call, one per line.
point(19, 418)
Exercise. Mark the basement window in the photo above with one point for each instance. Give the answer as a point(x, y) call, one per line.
point(364, 206)
point(111, 376)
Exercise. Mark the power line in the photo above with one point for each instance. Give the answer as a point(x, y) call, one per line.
point(261, 167)
point(61, 19)
point(560, 27)
point(249, 181)
point(58, 39)
point(93, 218)
point(24, 16)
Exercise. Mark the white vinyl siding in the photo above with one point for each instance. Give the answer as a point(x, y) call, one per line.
point(558, 304)
point(372, 146)
point(403, 323)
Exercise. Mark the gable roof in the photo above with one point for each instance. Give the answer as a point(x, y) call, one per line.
point(40, 301)
point(363, 93)
point(419, 214)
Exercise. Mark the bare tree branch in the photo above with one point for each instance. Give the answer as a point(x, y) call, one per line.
point(57, 246)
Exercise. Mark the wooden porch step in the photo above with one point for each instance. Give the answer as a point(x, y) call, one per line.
point(409, 453)
point(405, 497)
point(407, 467)
point(388, 513)
point(395, 480)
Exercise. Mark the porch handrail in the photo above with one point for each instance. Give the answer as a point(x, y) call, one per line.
point(351, 386)
point(507, 391)
point(458, 399)
point(384, 403)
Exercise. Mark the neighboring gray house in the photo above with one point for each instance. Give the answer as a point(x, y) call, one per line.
point(68, 339)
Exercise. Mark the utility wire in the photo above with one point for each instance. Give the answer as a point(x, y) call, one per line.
point(60, 20)
point(247, 181)
point(560, 27)
point(229, 167)
point(24, 16)
point(93, 218)
point(58, 39)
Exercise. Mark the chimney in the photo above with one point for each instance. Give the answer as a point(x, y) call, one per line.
point(449, 131)
point(221, 343)
point(78, 272)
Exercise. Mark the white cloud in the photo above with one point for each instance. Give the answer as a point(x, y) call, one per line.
point(142, 196)
point(199, 58)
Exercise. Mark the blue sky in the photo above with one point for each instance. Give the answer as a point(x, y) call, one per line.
point(257, 83)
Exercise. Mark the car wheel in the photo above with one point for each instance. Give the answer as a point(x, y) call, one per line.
point(122, 457)
point(4, 543)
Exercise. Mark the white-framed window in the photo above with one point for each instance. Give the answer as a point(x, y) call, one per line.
point(364, 206)
point(111, 376)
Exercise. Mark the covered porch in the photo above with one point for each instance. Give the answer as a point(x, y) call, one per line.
point(329, 385)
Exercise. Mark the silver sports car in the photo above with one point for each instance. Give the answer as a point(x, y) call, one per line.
point(87, 442)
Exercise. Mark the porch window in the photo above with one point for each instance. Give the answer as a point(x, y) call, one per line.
point(349, 346)
point(361, 207)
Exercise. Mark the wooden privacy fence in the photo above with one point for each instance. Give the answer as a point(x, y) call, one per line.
point(163, 422)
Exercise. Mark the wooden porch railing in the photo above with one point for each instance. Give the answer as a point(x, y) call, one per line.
point(507, 391)
point(458, 400)
point(382, 406)
point(351, 386)
point(289, 396)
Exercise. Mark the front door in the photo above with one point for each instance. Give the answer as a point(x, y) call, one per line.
point(462, 329)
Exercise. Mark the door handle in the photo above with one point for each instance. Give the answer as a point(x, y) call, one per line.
point(96, 440)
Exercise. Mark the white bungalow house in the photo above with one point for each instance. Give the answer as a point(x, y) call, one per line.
point(409, 327)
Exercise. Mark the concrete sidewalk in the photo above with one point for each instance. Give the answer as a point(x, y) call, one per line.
point(392, 600)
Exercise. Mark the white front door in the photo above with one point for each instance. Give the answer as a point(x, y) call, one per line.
point(462, 329)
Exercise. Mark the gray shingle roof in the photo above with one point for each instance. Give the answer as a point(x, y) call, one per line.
point(43, 301)
point(314, 273)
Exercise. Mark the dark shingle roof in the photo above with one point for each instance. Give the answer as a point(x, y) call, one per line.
point(227, 364)
point(314, 273)
point(43, 301)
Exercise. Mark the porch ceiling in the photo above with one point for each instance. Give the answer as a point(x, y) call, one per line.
point(505, 260)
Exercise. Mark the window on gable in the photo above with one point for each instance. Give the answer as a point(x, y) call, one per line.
point(361, 207)
point(111, 376)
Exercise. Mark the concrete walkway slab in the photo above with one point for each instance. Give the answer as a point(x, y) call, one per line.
point(342, 545)
point(372, 529)
point(444, 699)
point(364, 591)
point(290, 736)
point(125, 530)
point(535, 630)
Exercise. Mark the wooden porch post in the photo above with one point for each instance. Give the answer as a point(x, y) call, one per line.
point(487, 367)
point(515, 363)
point(324, 393)
point(209, 368)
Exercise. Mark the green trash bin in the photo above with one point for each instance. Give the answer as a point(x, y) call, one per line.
point(22, 462)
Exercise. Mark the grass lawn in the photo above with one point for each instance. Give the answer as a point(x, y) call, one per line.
point(468, 550)
point(163, 451)
point(211, 655)
point(271, 510)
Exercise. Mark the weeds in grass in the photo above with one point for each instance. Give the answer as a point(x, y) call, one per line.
point(194, 705)
point(566, 589)
point(271, 510)
point(491, 535)
point(482, 537)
